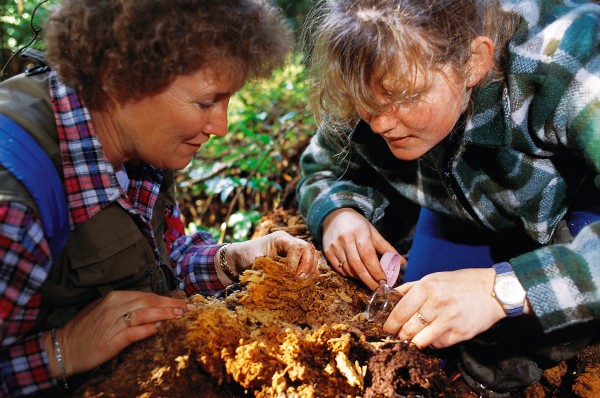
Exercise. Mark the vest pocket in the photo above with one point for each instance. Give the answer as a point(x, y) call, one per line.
point(107, 248)
point(107, 252)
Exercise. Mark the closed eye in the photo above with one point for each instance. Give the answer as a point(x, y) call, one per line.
point(204, 105)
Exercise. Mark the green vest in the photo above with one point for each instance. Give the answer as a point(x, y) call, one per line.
point(107, 252)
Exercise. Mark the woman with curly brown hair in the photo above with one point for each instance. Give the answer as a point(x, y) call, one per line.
point(485, 114)
point(132, 91)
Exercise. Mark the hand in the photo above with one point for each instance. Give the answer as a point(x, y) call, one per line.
point(351, 245)
point(453, 306)
point(100, 331)
point(302, 256)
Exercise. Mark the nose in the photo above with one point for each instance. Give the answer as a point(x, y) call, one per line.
point(381, 123)
point(218, 121)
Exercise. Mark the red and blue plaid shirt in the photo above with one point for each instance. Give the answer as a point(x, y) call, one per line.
point(91, 185)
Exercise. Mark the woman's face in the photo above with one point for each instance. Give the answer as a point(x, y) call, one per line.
point(166, 129)
point(413, 129)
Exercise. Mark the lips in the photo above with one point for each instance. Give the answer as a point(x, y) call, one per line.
point(192, 148)
point(398, 141)
point(196, 144)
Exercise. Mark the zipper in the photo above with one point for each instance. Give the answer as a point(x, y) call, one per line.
point(458, 193)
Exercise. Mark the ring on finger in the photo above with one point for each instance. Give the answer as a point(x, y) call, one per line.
point(422, 319)
point(127, 319)
point(341, 264)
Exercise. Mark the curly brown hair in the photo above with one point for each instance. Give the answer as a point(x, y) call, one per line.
point(131, 49)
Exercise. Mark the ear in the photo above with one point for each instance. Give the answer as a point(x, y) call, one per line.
point(482, 59)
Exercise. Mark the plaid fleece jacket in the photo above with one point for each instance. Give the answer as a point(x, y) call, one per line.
point(521, 158)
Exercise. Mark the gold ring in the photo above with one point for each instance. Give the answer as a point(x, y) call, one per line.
point(422, 319)
point(127, 319)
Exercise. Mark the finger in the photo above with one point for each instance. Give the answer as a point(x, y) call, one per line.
point(126, 318)
point(365, 274)
point(414, 325)
point(408, 306)
point(155, 300)
point(151, 315)
point(308, 260)
point(294, 251)
point(435, 334)
point(337, 260)
point(373, 274)
point(405, 287)
point(279, 243)
point(354, 266)
point(378, 244)
point(132, 300)
point(370, 271)
point(133, 334)
point(342, 266)
point(321, 263)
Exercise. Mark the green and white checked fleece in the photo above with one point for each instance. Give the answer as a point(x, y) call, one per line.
point(530, 143)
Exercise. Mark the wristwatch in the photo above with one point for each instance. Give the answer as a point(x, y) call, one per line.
point(508, 290)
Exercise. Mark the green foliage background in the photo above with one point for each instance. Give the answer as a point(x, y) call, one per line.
point(234, 180)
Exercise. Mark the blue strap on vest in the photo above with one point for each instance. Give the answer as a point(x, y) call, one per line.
point(21, 155)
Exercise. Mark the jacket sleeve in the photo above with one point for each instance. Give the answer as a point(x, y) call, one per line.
point(563, 280)
point(193, 257)
point(331, 175)
point(24, 265)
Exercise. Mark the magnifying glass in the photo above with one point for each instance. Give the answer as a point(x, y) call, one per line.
point(384, 298)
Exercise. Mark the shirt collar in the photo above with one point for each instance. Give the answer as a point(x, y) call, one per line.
point(90, 180)
point(489, 122)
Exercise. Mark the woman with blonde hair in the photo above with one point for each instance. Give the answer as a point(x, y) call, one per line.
point(485, 114)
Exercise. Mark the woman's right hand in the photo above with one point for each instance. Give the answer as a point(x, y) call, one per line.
point(101, 330)
point(351, 245)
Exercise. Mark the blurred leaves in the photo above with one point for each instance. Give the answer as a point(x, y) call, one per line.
point(16, 29)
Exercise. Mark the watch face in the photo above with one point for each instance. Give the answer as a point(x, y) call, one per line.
point(509, 291)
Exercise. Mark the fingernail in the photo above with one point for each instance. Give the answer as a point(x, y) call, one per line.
point(178, 311)
point(303, 275)
point(157, 324)
point(191, 307)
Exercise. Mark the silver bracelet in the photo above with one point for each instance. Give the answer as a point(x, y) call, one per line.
point(59, 359)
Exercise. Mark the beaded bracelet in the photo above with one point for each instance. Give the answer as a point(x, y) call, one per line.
point(59, 359)
point(225, 265)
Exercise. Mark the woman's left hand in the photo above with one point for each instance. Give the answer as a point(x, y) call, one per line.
point(105, 327)
point(302, 256)
point(445, 308)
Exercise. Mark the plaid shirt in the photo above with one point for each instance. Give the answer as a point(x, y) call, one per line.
point(524, 150)
point(91, 185)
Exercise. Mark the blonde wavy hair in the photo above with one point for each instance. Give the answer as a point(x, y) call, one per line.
point(137, 48)
point(354, 44)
